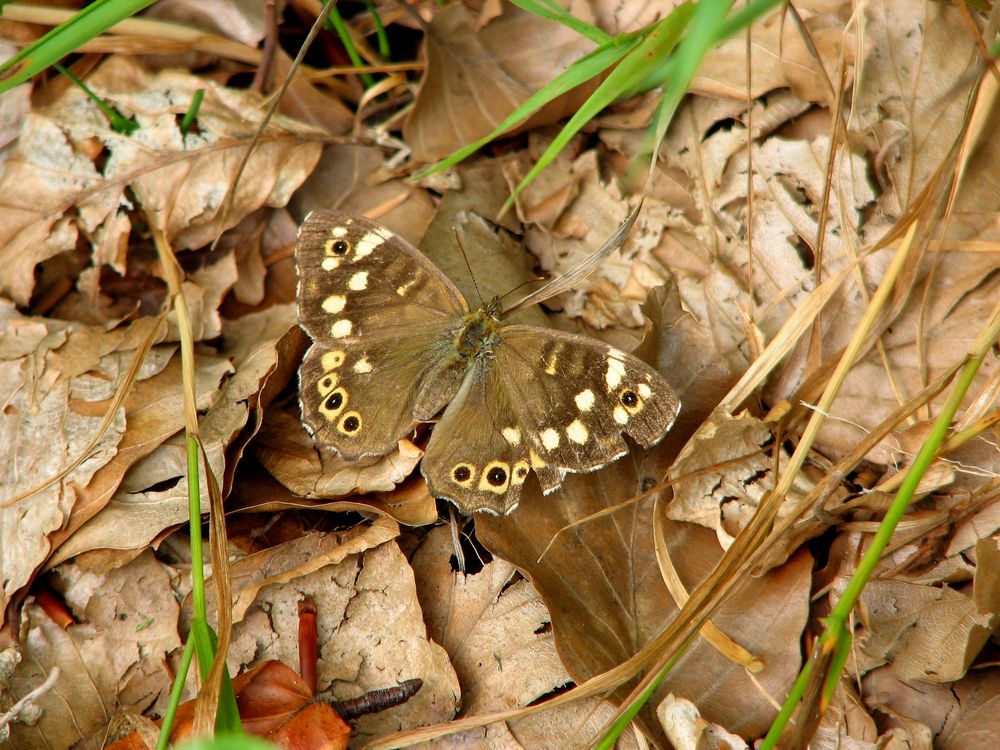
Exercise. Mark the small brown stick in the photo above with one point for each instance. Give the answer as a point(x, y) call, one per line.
point(377, 700)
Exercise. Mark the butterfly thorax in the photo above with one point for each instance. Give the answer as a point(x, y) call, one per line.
point(478, 333)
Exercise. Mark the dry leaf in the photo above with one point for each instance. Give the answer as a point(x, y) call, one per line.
point(179, 181)
point(688, 731)
point(479, 77)
point(371, 632)
point(112, 659)
point(496, 631)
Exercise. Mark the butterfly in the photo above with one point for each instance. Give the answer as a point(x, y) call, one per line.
point(394, 342)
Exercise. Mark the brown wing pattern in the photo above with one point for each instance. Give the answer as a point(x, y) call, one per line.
point(547, 402)
point(381, 317)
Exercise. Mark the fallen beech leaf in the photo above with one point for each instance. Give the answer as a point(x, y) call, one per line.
point(496, 630)
point(128, 623)
point(300, 557)
point(57, 380)
point(688, 731)
point(725, 499)
point(480, 78)
point(372, 634)
point(178, 180)
point(152, 495)
point(289, 454)
point(928, 633)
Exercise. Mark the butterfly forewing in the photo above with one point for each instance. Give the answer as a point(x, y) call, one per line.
point(381, 317)
point(546, 402)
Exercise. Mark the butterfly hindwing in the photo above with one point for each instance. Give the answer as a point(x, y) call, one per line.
point(546, 402)
point(381, 317)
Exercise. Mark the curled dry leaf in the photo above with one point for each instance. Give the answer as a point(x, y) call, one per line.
point(497, 632)
point(289, 454)
point(372, 635)
point(583, 210)
point(781, 58)
point(57, 381)
point(152, 496)
point(112, 659)
point(299, 557)
point(686, 730)
point(725, 498)
point(476, 77)
point(54, 191)
point(931, 633)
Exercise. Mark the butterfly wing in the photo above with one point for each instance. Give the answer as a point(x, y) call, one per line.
point(548, 402)
point(381, 317)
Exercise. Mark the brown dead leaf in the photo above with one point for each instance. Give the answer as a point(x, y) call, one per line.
point(910, 95)
point(128, 626)
point(243, 22)
point(779, 58)
point(299, 557)
point(497, 632)
point(372, 636)
point(179, 181)
point(475, 78)
point(289, 454)
point(582, 220)
point(930, 633)
point(152, 496)
point(846, 724)
point(58, 380)
point(600, 582)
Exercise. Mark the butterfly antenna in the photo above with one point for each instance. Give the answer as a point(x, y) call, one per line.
point(522, 284)
point(458, 241)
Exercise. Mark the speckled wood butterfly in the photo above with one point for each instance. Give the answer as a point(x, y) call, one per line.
point(394, 342)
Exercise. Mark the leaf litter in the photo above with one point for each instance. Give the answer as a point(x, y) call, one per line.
point(574, 583)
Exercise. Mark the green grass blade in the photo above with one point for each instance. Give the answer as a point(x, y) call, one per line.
point(381, 37)
point(579, 72)
point(119, 123)
point(549, 9)
point(335, 22)
point(176, 691)
point(192, 113)
point(636, 66)
point(65, 38)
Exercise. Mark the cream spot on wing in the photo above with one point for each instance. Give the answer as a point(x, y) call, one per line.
point(577, 432)
point(332, 360)
point(615, 373)
point(644, 390)
point(362, 366)
point(369, 242)
point(334, 303)
point(341, 328)
point(584, 400)
point(550, 439)
point(338, 232)
point(620, 415)
point(552, 360)
point(536, 460)
point(404, 288)
point(358, 281)
point(512, 435)
point(329, 264)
